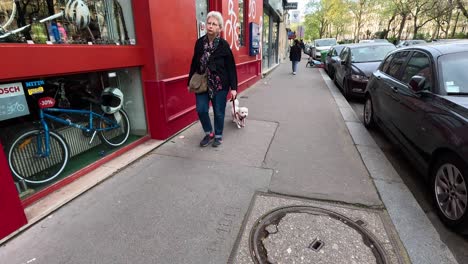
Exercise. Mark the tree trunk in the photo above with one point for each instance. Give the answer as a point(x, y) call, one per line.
point(462, 8)
point(455, 26)
point(436, 32)
point(447, 29)
point(416, 28)
point(389, 24)
point(358, 30)
point(402, 25)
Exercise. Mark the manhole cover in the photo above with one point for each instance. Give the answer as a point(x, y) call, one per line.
point(306, 234)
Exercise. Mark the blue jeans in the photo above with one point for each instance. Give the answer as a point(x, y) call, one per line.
point(294, 65)
point(219, 107)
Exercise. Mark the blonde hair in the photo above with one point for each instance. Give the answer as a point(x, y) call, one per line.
point(218, 17)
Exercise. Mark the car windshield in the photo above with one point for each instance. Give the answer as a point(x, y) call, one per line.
point(370, 53)
point(325, 42)
point(338, 49)
point(453, 73)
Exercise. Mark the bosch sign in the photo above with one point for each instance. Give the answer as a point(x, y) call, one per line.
point(11, 89)
point(12, 101)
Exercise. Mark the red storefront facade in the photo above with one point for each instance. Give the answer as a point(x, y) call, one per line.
point(165, 32)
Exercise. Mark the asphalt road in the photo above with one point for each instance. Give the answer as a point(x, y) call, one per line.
point(457, 243)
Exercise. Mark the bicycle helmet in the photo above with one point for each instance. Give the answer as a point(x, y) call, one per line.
point(77, 12)
point(111, 100)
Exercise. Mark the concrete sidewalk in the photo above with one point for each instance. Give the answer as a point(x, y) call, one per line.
point(183, 204)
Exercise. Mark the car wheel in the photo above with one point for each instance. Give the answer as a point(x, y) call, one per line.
point(368, 113)
point(450, 191)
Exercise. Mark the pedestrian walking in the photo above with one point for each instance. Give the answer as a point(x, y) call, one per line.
point(295, 55)
point(213, 56)
point(301, 43)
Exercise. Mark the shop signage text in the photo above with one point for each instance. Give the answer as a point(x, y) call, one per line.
point(37, 90)
point(11, 90)
point(35, 87)
point(34, 83)
point(46, 102)
point(290, 6)
point(12, 101)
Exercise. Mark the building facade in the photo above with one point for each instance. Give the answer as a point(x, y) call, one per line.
point(72, 54)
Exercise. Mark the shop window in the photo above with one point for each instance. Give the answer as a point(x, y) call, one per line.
point(105, 22)
point(201, 10)
point(76, 135)
point(241, 23)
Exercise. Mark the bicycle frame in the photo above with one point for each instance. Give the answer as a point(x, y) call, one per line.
point(45, 114)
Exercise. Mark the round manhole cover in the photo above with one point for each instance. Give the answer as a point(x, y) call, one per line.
point(306, 234)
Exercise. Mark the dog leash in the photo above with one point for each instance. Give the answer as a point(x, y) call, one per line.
point(234, 103)
point(234, 108)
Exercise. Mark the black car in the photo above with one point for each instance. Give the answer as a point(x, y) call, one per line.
point(332, 58)
point(419, 97)
point(357, 62)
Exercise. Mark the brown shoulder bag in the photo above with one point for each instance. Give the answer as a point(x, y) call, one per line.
point(198, 83)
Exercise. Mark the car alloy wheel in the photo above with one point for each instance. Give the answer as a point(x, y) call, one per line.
point(368, 112)
point(450, 191)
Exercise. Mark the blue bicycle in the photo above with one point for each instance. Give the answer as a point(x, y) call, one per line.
point(40, 155)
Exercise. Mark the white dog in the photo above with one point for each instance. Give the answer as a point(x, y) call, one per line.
point(239, 114)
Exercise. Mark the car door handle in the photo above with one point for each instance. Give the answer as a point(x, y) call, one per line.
point(395, 89)
point(378, 77)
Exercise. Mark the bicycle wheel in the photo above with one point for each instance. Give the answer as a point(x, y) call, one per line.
point(115, 128)
point(28, 161)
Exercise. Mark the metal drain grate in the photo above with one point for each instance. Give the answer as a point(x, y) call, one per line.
point(316, 245)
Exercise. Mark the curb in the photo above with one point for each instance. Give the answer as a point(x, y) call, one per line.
point(417, 234)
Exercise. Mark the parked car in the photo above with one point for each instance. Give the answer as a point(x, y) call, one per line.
point(419, 97)
point(357, 62)
point(332, 58)
point(373, 41)
point(409, 42)
point(308, 49)
point(321, 45)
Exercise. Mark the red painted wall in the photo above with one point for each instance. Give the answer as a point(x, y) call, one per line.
point(172, 28)
point(28, 61)
point(12, 214)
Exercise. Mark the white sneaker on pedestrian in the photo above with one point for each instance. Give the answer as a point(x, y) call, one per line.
point(294, 73)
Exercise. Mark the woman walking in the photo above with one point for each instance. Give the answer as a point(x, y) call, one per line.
point(213, 56)
point(295, 55)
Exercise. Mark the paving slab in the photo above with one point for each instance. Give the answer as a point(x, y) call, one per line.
point(312, 153)
point(245, 146)
point(160, 209)
point(291, 241)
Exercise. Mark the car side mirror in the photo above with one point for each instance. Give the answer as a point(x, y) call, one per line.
point(417, 83)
